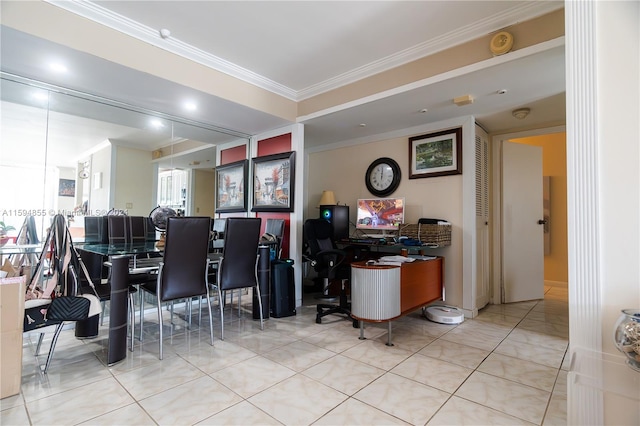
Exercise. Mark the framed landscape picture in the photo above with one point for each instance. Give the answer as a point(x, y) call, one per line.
point(273, 182)
point(67, 188)
point(436, 154)
point(231, 194)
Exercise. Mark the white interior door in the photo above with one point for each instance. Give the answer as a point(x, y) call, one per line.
point(483, 289)
point(522, 235)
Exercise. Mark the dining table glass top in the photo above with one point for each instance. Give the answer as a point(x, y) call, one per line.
point(120, 249)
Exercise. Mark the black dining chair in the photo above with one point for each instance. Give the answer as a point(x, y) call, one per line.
point(183, 271)
point(238, 264)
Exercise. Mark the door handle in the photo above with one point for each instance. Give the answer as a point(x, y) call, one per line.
point(542, 222)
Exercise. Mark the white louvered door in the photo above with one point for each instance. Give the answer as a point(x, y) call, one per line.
point(482, 218)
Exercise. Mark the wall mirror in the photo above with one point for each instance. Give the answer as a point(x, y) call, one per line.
point(76, 154)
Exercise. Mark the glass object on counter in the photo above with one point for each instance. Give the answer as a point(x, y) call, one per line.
point(626, 335)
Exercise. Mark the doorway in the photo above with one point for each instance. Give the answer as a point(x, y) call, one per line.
point(553, 143)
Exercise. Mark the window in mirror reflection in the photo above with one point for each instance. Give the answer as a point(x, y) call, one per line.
point(172, 189)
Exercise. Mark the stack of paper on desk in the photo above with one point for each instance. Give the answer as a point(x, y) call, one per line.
point(395, 259)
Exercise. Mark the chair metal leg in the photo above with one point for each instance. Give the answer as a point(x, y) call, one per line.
point(52, 348)
point(141, 317)
point(221, 315)
point(160, 326)
point(40, 339)
point(132, 320)
point(210, 316)
point(257, 287)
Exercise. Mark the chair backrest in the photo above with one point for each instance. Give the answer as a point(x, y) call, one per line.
point(28, 232)
point(118, 229)
point(239, 255)
point(151, 230)
point(185, 258)
point(96, 229)
point(276, 227)
point(318, 234)
point(138, 229)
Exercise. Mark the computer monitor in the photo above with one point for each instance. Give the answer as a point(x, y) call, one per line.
point(383, 214)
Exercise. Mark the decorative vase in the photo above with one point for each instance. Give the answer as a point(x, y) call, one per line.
point(626, 335)
point(3, 240)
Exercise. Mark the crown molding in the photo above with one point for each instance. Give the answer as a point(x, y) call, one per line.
point(103, 16)
point(432, 46)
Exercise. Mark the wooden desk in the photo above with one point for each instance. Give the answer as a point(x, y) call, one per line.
point(421, 283)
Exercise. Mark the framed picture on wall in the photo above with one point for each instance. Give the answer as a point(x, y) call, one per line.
point(67, 188)
point(273, 182)
point(231, 184)
point(436, 154)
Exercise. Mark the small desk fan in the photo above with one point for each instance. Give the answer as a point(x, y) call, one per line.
point(159, 217)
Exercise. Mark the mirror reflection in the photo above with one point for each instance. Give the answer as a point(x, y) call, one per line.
point(74, 154)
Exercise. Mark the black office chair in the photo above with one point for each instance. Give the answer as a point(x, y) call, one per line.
point(183, 271)
point(275, 227)
point(329, 263)
point(238, 265)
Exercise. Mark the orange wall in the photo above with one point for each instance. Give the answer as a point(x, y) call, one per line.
point(554, 165)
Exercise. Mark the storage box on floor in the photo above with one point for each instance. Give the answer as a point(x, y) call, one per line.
point(12, 292)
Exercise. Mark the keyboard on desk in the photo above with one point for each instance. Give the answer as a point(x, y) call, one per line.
point(364, 240)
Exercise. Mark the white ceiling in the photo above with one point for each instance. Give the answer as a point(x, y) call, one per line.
point(300, 49)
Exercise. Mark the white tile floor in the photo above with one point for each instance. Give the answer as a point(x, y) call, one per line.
point(507, 367)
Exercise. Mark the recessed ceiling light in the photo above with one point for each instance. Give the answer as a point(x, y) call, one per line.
point(501, 91)
point(190, 106)
point(41, 96)
point(57, 67)
point(363, 124)
point(157, 123)
point(423, 110)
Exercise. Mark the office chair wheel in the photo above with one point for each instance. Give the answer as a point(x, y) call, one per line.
point(356, 323)
point(318, 319)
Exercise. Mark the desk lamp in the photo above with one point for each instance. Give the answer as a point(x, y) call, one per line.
point(328, 198)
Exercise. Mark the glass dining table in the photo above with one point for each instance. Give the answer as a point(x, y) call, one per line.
point(124, 259)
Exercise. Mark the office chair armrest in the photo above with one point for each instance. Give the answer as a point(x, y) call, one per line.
point(338, 255)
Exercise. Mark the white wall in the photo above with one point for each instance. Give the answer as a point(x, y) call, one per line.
point(618, 24)
point(603, 185)
point(133, 180)
point(342, 170)
point(100, 163)
point(204, 192)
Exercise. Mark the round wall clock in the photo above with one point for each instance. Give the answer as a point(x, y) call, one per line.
point(382, 177)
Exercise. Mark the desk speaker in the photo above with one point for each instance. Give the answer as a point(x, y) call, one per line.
point(338, 216)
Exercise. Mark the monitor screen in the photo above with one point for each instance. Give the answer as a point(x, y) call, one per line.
point(380, 213)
